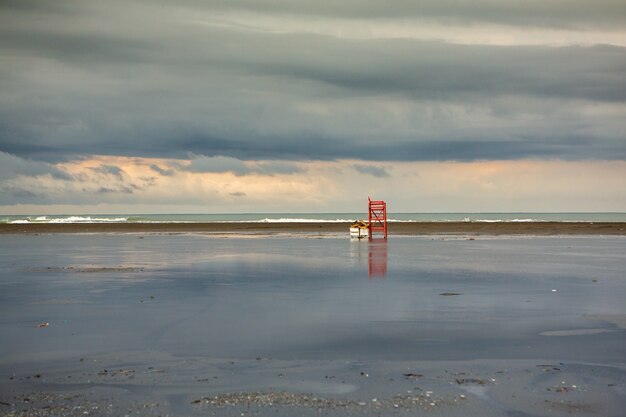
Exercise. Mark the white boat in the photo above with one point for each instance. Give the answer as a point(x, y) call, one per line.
point(359, 229)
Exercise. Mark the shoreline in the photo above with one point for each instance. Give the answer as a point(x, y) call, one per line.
point(395, 228)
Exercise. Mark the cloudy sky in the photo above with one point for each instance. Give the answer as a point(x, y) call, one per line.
point(283, 105)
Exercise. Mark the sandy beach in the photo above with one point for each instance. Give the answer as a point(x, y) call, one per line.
point(395, 228)
point(156, 320)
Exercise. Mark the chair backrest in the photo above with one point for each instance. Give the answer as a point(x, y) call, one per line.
point(377, 216)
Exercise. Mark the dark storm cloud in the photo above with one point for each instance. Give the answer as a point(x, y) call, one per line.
point(110, 170)
point(118, 190)
point(13, 194)
point(375, 171)
point(436, 70)
point(217, 164)
point(12, 166)
point(99, 82)
point(560, 13)
point(162, 171)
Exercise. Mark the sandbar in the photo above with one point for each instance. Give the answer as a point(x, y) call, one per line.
point(395, 228)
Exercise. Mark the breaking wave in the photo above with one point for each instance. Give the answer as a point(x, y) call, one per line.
point(70, 219)
point(313, 218)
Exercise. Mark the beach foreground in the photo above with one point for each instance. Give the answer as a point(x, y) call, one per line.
point(395, 228)
point(153, 385)
point(114, 324)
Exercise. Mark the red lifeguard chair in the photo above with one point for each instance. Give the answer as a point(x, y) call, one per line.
point(377, 216)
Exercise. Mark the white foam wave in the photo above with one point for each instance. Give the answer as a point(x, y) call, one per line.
point(292, 220)
point(271, 220)
point(78, 219)
point(71, 219)
point(506, 221)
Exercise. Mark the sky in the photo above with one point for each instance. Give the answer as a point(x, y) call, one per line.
point(229, 106)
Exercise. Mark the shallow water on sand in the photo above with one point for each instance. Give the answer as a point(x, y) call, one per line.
point(297, 298)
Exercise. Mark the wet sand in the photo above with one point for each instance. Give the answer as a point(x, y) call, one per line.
point(395, 228)
point(157, 385)
point(185, 324)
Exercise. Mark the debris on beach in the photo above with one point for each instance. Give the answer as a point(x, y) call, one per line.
point(359, 229)
point(563, 388)
point(118, 372)
point(549, 368)
point(473, 381)
point(87, 269)
point(287, 399)
point(271, 399)
point(53, 404)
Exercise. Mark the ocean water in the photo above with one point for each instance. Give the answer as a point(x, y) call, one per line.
point(312, 217)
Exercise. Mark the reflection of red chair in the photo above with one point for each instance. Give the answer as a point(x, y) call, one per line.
point(377, 215)
point(377, 256)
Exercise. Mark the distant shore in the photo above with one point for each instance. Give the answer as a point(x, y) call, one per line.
point(395, 228)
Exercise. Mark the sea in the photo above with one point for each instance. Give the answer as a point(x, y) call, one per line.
point(314, 217)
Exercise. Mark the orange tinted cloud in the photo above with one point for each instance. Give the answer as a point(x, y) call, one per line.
point(103, 183)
